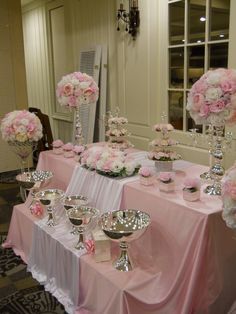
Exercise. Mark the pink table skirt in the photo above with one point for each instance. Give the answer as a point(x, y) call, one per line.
point(184, 262)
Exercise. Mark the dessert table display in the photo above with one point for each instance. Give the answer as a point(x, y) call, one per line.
point(183, 263)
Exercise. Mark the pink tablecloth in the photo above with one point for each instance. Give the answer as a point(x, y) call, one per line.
point(184, 262)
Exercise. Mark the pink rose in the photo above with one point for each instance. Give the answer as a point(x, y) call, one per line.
point(36, 209)
point(198, 101)
point(72, 101)
point(90, 246)
point(228, 86)
point(229, 188)
point(217, 106)
point(68, 89)
point(204, 111)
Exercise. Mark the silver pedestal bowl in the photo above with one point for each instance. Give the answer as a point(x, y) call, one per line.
point(32, 181)
point(74, 201)
point(83, 218)
point(124, 226)
point(50, 198)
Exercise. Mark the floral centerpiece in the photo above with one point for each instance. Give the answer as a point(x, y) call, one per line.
point(76, 89)
point(109, 162)
point(117, 131)
point(145, 176)
point(21, 129)
point(212, 100)
point(166, 181)
point(21, 126)
point(229, 197)
point(161, 151)
point(191, 190)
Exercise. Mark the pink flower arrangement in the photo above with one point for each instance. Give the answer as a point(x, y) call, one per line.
point(90, 246)
point(145, 172)
point(229, 197)
point(166, 177)
point(75, 89)
point(212, 98)
point(192, 184)
point(21, 126)
point(37, 209)
point(57, 144)
point(164, 155)
point(108, 161)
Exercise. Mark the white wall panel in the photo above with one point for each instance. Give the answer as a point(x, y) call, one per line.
point(37, 62)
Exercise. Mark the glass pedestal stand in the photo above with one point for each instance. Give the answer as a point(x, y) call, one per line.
point(217, 171)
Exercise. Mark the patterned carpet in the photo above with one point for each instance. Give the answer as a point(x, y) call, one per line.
point(19, 292)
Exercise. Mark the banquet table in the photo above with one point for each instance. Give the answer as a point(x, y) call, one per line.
point(184, 262)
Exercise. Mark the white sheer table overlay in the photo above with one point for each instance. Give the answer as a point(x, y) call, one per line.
point(54, 261)
point(105, 193)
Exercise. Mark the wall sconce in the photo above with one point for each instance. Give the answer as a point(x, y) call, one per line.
point(131, 18)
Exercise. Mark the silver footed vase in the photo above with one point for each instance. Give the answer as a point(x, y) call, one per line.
point(217, 170)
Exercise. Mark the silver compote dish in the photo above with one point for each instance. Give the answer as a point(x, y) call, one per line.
point(32, 181)
point(83, 218)
point(50, 198)
point(124, 226)
point(74, 201)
